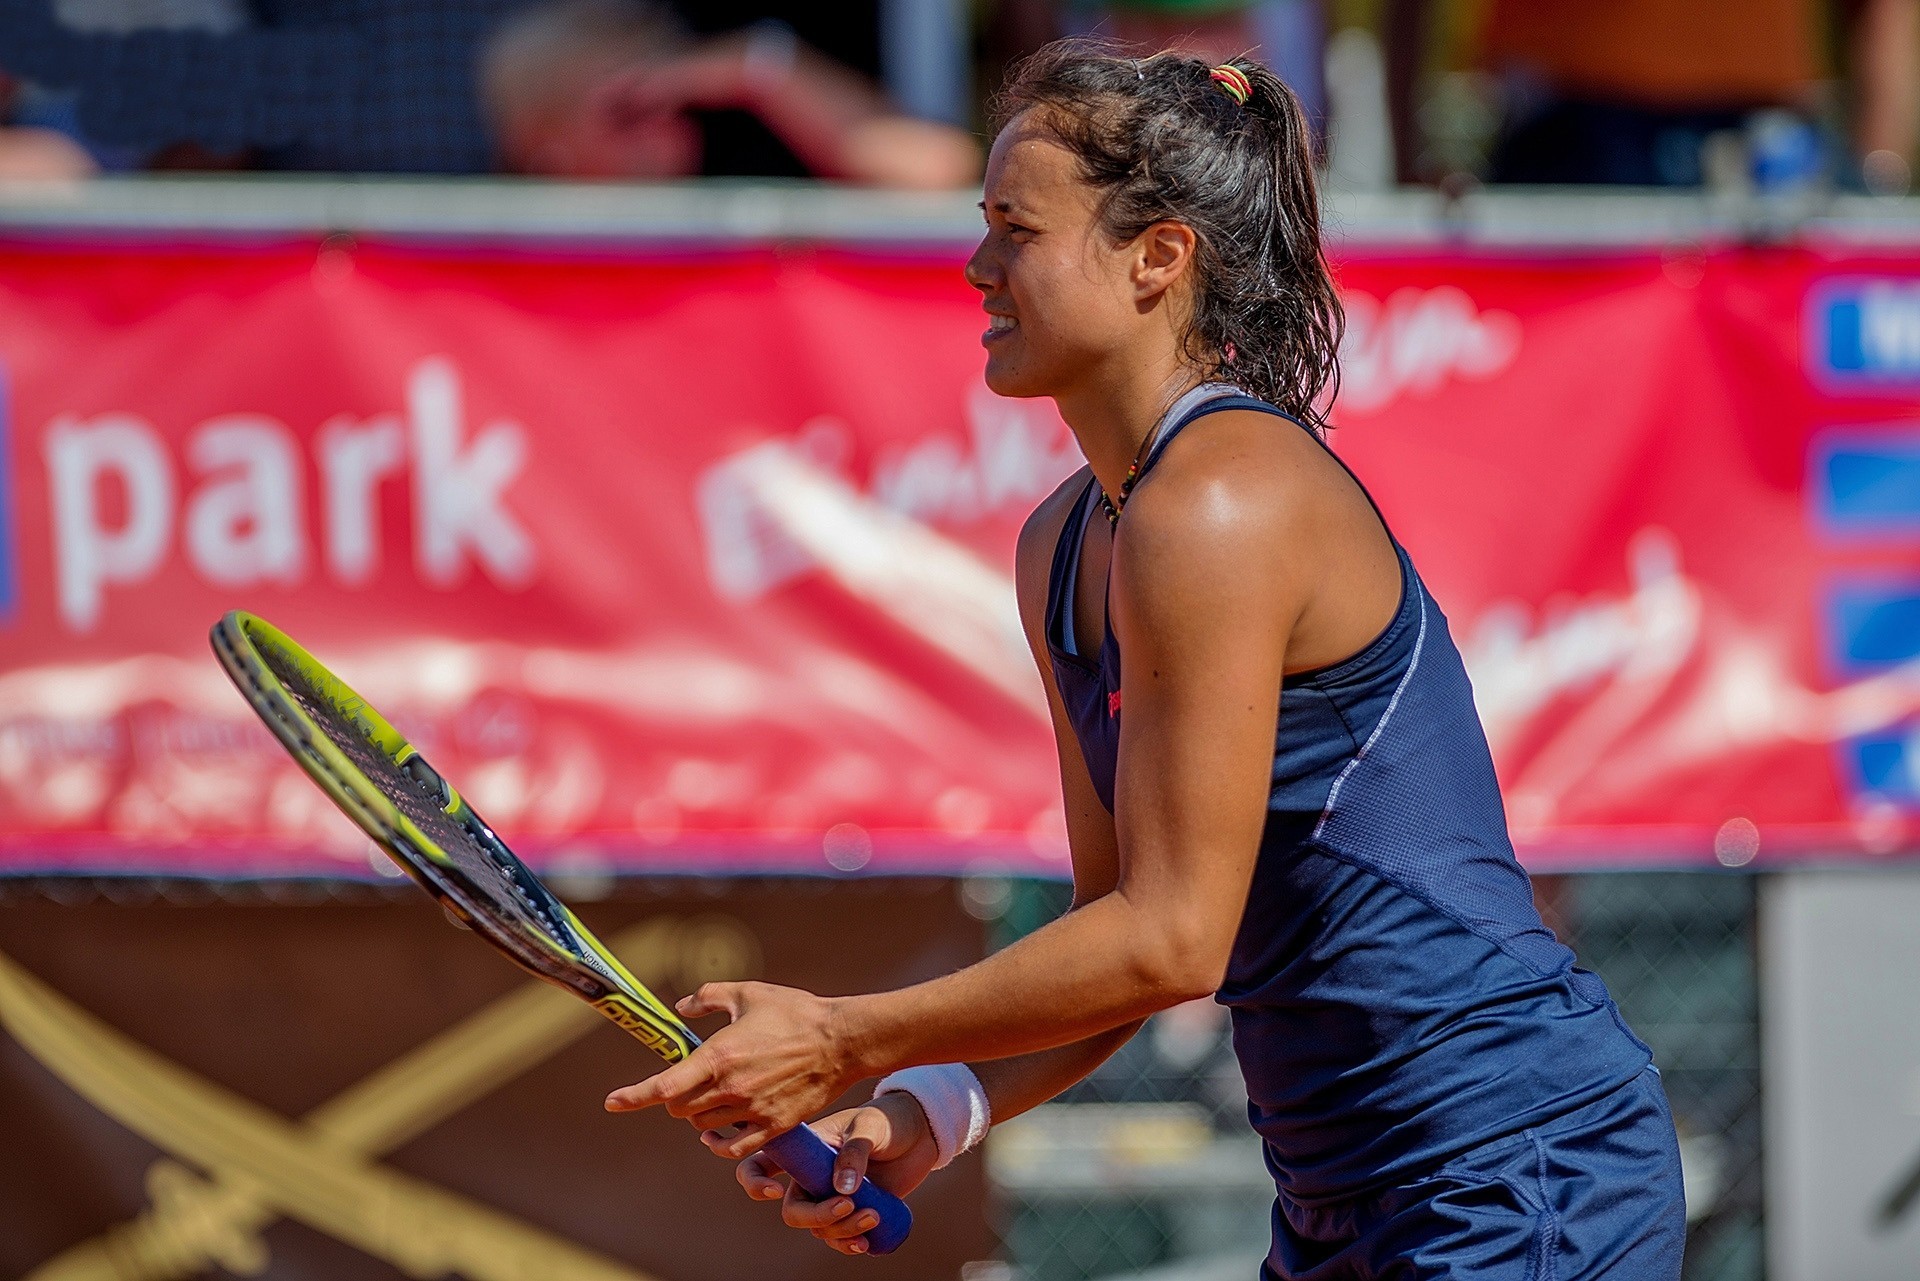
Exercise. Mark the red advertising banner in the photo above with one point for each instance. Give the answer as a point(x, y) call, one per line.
point(700, 560)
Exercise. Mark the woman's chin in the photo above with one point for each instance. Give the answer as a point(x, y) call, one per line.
point(1003, 378)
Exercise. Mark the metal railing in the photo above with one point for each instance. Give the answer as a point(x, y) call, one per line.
point(759, 210)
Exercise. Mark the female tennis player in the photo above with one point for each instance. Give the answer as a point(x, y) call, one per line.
point(1283, 799)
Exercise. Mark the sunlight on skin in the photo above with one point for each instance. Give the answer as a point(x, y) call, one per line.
point(1247, 540)
point(1094, 324)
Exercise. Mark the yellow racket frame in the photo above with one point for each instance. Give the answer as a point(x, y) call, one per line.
point(243, 642)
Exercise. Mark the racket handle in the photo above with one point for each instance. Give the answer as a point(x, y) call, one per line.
point(806, 1156)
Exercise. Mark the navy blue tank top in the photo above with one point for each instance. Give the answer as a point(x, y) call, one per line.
point(1395, 997)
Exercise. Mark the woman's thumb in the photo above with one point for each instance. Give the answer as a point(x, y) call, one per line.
point(868, 1129)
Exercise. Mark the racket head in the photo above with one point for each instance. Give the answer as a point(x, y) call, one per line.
point(388, 789)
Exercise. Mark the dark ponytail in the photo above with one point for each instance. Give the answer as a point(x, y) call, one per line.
point(1162, 139)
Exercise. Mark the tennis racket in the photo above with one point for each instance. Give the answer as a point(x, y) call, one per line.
point(415, 815)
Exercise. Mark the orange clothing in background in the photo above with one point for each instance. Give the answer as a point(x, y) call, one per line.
point(1661, 53)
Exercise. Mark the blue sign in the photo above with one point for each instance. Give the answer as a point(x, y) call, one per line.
point(1872, 626)
point(1884, 765)
point(1866, 331)
point(1865, 483)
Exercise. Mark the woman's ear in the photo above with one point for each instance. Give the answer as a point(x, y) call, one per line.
point(1163, 255)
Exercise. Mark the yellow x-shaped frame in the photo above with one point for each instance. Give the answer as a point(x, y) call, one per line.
point(257, 1167)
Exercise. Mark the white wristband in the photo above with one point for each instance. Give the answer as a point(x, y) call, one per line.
point(953, 1099)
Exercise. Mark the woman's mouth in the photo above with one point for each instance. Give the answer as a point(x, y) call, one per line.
point(998, 326)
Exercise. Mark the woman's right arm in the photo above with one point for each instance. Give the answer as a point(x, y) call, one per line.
point(892, 1134)
point(1018, 1084)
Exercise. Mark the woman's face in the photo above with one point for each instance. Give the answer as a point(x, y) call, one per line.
point(1061, 295)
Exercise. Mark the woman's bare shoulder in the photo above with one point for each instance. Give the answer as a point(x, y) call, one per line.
point(1237, 473)
point(1246, 521)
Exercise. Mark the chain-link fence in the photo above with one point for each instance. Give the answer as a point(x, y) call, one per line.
point(1147, 1169)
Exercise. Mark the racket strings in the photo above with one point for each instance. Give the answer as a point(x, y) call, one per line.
point(421, 802)
point(399, 800)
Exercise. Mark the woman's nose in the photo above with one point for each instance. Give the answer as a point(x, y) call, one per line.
point(979, 273)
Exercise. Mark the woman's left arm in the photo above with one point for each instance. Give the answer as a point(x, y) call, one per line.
point(1202, 604)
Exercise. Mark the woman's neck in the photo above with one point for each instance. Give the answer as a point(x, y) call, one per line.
point(1112, 414)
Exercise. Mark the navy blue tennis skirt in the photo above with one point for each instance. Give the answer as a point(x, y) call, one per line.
point(1593, 1194)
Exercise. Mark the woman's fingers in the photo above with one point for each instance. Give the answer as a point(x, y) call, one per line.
point(800, 1211)
point(745, 1142)
point(735, 1144)
point(858, 1133)
point(712, 998)
point(686, 1077)
point(854, 1225)
point(755, 1175)
point(720, 1118)
point(852, 1245)
point(868, 1129)
point(690, 1097)
point(835, 1220)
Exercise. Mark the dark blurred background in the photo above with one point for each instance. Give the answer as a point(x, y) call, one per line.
point(1774, 94)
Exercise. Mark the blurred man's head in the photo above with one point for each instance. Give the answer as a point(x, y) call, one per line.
point(566, 87)
point(1218, 30)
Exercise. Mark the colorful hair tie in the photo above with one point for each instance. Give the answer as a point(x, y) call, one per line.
point(1233, 82)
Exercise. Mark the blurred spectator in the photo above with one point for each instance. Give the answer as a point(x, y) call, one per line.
point(346, 85)
point(1212, 29)
point(1639, 91)
point(33, 153)
point(57, 111)
point(1289, 36)
point(612, 89)
point(1884, 56)
point(392, 86)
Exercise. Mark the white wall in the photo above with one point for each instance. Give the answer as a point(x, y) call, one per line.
point(1840, 968)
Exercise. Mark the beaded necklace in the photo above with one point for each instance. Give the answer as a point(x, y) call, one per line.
point(1111, 505)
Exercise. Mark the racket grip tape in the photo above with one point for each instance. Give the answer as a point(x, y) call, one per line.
point(806, 1156)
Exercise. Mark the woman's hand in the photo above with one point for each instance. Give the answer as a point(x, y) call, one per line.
point(888, 1141)
point(777, 1063)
